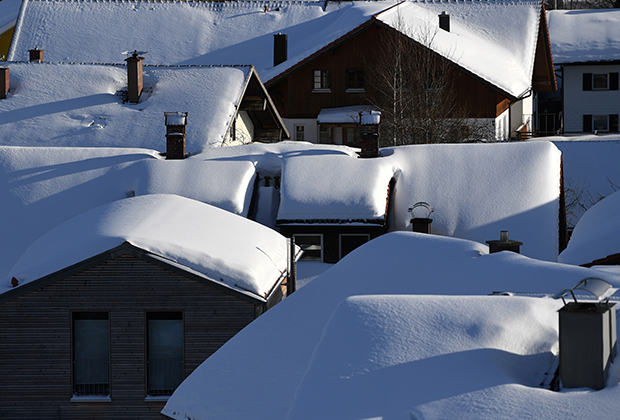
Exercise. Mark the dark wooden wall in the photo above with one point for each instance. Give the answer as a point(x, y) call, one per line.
point(294, 98)
point(35, 337)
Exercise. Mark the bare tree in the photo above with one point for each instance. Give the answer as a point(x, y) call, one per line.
point(413, 87)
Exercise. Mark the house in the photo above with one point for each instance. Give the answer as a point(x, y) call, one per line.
point(104, 315)
point(595, 239)
point(75, 104)
point(331, 205)
point(323, 37)
point(588, 63)
point(495, 55)
point(404, 327)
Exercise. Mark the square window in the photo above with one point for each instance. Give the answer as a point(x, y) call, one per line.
point(91, 353)
point(312, 245)
point(348, 242)
point(321, 80)
point(355, 80)
point(600, 81)
point(600, 123)
point(164, 352)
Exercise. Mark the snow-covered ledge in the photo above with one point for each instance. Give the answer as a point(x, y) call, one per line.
point(91, 398)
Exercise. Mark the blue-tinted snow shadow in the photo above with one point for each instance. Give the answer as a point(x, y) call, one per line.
point(34, 111)
point(391, 393)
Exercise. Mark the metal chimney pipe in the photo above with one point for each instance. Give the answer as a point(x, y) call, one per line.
point(280, 48)
point(444, 21)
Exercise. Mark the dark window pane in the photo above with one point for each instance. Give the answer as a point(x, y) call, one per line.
point(165, 352)
point(311, 245)
point(91, 353)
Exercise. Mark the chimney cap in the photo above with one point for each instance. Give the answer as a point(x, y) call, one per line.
point(176, 118)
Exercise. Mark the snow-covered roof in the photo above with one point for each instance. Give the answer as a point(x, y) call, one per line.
point(354, 343)
point(79, 105)
point(220, 245)
point(597, 233)
point(495, 40)
point(347, 114)
point(584, 35)
point(41, 188)
point(334, 189)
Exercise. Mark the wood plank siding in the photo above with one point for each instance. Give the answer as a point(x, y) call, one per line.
point(36, 328)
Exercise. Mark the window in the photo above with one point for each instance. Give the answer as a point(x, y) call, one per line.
point(593, 123)
point(91, 353)
point(348, 242)
point(600, 81)
point(312, 245)
point(355, 81)
point(164, 352)
point(299, 133)
point(321, 81)
point(325, 134)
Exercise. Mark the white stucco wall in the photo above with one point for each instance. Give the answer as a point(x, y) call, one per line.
point(311, 131)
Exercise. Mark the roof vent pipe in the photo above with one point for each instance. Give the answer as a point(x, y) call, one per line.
point(280, 48)
point(444, 21)
point(176, 123)
point(4, 82)
point(134, 77)
point(36, 55)
point(421, 224)
point(504, 244)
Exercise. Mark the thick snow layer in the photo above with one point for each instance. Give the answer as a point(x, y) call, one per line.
point(43, 187)
point(584, 35)
point(222, 246)
point(433, 356)
point(478, 190)
point(185, 32)
point(77, 105)
point(347, 114)
point(334, 189)
point(597, 235)
point(495, 40)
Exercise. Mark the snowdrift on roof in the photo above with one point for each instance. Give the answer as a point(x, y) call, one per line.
point(584, 35)
point(76, 105)
point(334, 189)
point(507, 339)
point(496, 41)
point(44, 187)
point(597, 235)
point(218, 244)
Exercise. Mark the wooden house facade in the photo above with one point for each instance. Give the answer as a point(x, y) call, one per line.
point(112, 336)
point(343, 74)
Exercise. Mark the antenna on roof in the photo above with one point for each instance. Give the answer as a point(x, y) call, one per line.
point(134, 53)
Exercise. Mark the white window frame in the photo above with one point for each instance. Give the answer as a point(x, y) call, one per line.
point(321, 81)
point(594, 75)
point(322, 245)
point(303, 132)
point(600, 117)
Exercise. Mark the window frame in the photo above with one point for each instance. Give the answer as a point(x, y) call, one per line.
point(340, 256)
point(82, 396)
point(600, 117)
point(321, 81)
point(303, 132)
point(355, 81)
point(161, 315)
point(599, 76)
point(304, 256)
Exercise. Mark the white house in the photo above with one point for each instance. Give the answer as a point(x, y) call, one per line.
point(586, 46)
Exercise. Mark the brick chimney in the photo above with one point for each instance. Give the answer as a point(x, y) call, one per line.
point(36, 55)
point(444, 21)
point(369, 130)
point(4, 82)
point(175, 134)
point(504, 244)
point(280, 48)
point(134, 78)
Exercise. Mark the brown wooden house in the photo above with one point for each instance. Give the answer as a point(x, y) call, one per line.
point(341, 74)
point(113, 335)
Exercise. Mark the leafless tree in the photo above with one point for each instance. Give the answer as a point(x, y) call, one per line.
point(413, 87)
